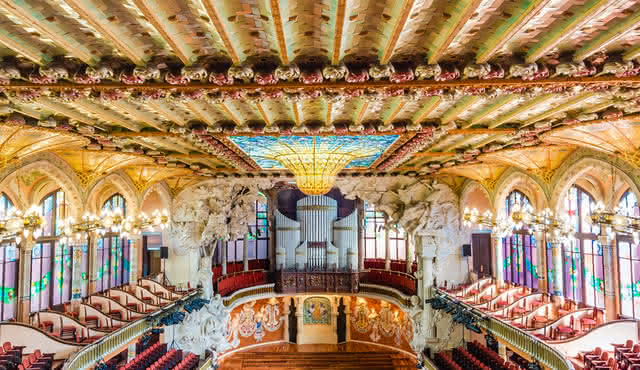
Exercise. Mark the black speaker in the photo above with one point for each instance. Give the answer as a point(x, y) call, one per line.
point(164, 252)
point(466, 250)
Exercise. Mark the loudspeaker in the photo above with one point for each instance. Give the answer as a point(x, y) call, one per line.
point(466, 250)
point(164, 252)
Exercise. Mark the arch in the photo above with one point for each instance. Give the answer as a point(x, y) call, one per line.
point(162, 189)
point(576, 167)
point(57, 170)
point(469, 188)
point(104, 188)
point(515, 179)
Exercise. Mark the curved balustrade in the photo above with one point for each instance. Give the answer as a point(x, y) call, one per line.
point(32, 338)
point(62, 325)
point(471, 289)
point(379, 264)
point(89, 355)
point(523, 307)
point(110, 306)
point(131, 301)
point(603, 336)
point(399, 280)
point(483, 298)
point(501, 300)
point(145, 294)
point(562, 326)
point(88, 314)
point(159, 289)
point(230, 283)
point(521, 341)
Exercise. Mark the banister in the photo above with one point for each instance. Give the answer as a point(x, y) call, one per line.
point(91, 353)
point(520, 340)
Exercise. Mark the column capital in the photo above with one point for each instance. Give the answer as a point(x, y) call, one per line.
point(27, 244)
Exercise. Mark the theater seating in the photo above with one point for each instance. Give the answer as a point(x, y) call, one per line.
point(230, 283)
point(401, 281)
point(190, 361)
point(146, 358)
point(444, 362)
point(167, 361)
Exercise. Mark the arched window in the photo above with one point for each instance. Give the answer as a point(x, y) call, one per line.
point(51, 261)
point(629, 262)
point(112, 252)
point(583, 264)
point(376, 237)
point(257, 239)
point(520, 250)
point(5, 204)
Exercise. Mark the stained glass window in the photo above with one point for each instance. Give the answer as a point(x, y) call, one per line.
point(374, 232)
point(583, 263)
point(113, 252)
point(5, 204)
point(629, 262)
point(520, 250)
point(258, 237)
point(116, 201)
point(9, 280)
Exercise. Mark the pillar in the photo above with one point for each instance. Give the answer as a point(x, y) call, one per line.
point(271, 217)
point(498, 253)
point(557, 277)
point(427, 253)
point(225, 250)
point(410, 247)
point(541, 256)
point(387, 251)
point(245, 252)
point(347, 314)
point(285, 314)
point(93, 263)
point(609, 291)
point(335, 301)
point(360, 207)
point(24, 284)
point(300, 317)
point(76, 282)
point(135, 260)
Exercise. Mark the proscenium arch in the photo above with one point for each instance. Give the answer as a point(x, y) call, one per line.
point(515, 179)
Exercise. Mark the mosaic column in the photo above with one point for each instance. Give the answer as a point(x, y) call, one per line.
point(541, 256)
point(347, 314)
point(285, 314)
point(609, 282)
point(93, 263)
point(557, 277)
point(77, 281)
point(428, 252)
point(360, 206)
point(24, 284)
point(387, 251)
point(499, 261)
point(134, 259)
point(245, 252)
point(225, 249)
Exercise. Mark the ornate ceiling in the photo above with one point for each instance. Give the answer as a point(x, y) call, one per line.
point(182, 90)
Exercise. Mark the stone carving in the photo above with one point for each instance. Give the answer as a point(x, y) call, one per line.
point(206, 329)
point(388, 322)
point(248, 322)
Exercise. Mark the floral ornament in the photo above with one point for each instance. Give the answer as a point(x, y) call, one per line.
point(241, 72)
point(417, 143)
point(265, 78)
point(113, 95)
point(194, 72)
point(289, 72)
point(380, 71)
point(48, 122)
point(311, 77)
point(272, 94)
point(530, 71)
point(428, 71)
point(100, 72)
point(150, 72)
point(335, 73)
point(402, 76)
point(131, 78)
point(37, 78)
point(220, 79)
point(176, 79)
point(27, 95)
point(448, 73)
point(579, 69)
point(357, 75)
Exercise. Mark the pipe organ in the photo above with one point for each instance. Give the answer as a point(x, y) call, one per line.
point(317, 240)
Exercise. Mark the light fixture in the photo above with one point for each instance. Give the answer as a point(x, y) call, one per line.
point(316, 165)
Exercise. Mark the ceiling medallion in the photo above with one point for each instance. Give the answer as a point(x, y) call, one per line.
point(316, 165)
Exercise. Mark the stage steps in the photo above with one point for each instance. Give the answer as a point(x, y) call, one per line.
point(380, 360)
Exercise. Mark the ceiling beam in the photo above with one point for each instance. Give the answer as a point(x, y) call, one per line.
point(551, 38)
point(461, 13)
point(33, 16)
point(461, 143)
point(434, 154)
point(195, 108)
point(162, 109)
point(407, 6)
point(341, 11)
point(116, 32)
point(491, 108)
point(395, 112)
point(263, 113)
point(220, 28)
point(230, 113)
point(64, 110)
point(154, 15)
point(279, 30)
point(139, 115)
point(429, 106)
point(470, 131)
point(461, 105)
point(632, 53)
point(107, 115)
point(560, 108)
point(22, 47)
point(612, 34)
point(296, 112)
point(362, 112)
point(329, 113)
point(521, 109)
point(518, 20)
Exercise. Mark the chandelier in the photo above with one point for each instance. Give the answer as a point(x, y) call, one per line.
point(316, 165)
point(16, 224)
point(615, 222)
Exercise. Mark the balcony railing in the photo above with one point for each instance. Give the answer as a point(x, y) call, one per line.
point(89, 355)
point(519, 340)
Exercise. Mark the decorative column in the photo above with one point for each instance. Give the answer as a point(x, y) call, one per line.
point(347, 315)
point(541, 256)
point(271, 231)
point(387, 251)
point(335, 301)
point(93, 263)
point(300, 317)
point(76, 282)
point(498, 253)
point(427, 252)
point(285, 313)
point(557, 277)
point(225, 249)
point(135, 259)
point(245, 252)
point(609, 291)
point(410, 247)
point(360, 207)
point(24, 284)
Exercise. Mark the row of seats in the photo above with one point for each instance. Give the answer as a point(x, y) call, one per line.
point(168, 361)
point(37, 360)
point(146, 358)
point(403, 282)
point(444, 362)
point(189, 362)
point(233, 267)
point(467, 361)
point(489, 357)
point(231, 283)
point(10, 355)
point(624, 356)
point(379, 263)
